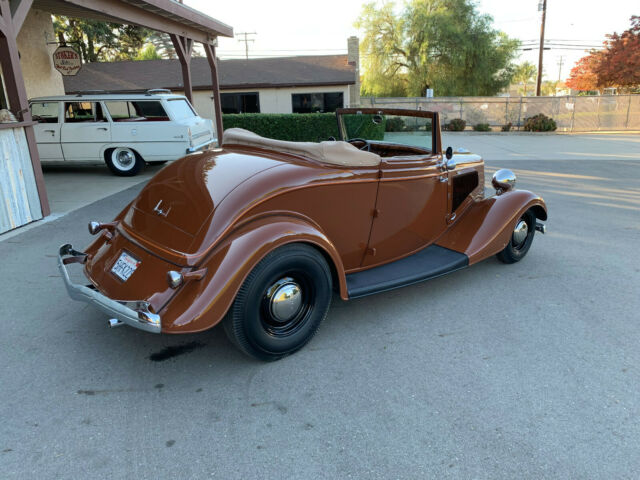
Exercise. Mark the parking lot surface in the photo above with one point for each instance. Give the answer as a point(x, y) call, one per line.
point(528, 370)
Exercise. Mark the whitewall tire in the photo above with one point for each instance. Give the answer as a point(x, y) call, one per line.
point(123, 161)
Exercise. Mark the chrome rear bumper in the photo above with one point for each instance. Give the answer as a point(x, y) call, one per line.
point(133, 313)
point(201, 146)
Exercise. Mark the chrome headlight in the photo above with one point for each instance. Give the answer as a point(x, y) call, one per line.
point(503, 181)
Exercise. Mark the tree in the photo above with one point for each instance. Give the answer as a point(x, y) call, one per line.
point(441, 44)
point(100, 41)
point(616, 65)
point(548, 88)
point(149, 52)
point(583, 76)
point(164, 45)
point(524, 74)
point(619, 63)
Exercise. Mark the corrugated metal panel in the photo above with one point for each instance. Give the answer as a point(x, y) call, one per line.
point(19, 202)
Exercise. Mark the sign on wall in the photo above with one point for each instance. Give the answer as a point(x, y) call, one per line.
point(67, 61)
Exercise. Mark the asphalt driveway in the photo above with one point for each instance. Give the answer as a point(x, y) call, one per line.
point(522, 371)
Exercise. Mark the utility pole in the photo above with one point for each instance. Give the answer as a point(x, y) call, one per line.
point(544, 16)
point(560, 69)
point(246, 41)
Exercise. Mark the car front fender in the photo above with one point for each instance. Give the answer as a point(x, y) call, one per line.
point(201, 304)
point(485, 228)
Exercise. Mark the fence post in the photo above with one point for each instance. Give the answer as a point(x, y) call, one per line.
point(598, 114)
point(573, 113)
point(626, 123)
point(520, 113)
point(506, 112)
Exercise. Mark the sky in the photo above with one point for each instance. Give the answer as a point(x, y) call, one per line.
point(290, 27)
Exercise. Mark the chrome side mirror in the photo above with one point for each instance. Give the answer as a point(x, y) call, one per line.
point(451, 164)
point(503, 180)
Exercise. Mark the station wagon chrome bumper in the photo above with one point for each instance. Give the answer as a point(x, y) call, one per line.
point(133, 313)
point(201, 146)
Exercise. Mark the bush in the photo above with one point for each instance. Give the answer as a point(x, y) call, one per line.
point(395, 124)
point(456, 125)
point(303, 127)
point(539, 123)
point(506, 127)
point(482, 127)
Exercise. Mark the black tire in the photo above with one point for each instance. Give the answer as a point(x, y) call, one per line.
point(251, 323)
point(123, 161)
point(516, 250)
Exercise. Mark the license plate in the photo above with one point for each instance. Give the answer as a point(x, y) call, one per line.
point(125, 266)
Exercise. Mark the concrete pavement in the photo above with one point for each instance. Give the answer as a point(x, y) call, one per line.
point(522, 371)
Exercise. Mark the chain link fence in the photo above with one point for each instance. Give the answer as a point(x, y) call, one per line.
point(571, 113)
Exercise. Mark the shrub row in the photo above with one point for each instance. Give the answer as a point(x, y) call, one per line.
point(304, 127)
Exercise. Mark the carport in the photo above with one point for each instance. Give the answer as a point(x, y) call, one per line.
point(23, 195)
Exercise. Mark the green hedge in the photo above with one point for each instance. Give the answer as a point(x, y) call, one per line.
point(301, 127)
point(295, 127)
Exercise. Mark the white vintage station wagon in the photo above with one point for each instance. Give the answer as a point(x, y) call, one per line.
point(124, 130)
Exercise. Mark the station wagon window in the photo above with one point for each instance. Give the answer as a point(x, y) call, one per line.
point(316, 102)
point(45, 112)
point(180, 109)
point(77, 112)
point(136, 111)
point(241, 102)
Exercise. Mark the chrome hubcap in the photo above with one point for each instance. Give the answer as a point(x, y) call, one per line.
point(125, 158)
point(285, 300)
point(520, 233)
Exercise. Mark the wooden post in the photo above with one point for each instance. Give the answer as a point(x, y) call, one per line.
point(210, 50)
point(10, 25)
point(184, 47)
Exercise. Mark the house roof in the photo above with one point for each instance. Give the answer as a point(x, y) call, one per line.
point(130, 76)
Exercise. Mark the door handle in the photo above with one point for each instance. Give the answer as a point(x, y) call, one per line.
point(103, 128)
point(50, 131)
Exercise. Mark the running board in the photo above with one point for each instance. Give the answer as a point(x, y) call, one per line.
point(428, 263)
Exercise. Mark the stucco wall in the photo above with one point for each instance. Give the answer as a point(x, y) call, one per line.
point(40, 78)
point(272, 100)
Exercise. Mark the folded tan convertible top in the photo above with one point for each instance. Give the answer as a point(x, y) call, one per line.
point(330, 152)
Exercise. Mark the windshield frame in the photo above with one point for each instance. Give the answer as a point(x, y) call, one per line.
point(436, 146)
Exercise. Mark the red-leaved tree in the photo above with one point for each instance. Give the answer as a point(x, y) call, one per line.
point(619, 66)
point(616, 65)
point(583, 76)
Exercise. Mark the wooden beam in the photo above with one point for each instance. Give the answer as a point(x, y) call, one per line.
point(124, 12)
point(210, 50)
point(184, 48)
point(17, 97)
point(20, 14)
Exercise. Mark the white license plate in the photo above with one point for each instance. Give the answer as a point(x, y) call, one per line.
point(125, 266)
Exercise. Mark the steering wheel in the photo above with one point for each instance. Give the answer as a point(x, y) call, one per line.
point(366, 146)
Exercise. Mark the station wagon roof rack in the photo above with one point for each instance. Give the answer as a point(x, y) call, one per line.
point(153, 91)
point(90, 92)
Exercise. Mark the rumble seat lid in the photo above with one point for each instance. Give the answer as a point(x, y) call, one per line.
point(332, 152)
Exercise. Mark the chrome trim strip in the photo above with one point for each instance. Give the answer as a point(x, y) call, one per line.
point(202, 145)
point(134, 313)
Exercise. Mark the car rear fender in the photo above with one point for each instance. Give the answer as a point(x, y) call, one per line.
point(201, 304)
point(486, 227)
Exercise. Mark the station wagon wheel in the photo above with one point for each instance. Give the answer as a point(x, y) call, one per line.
point(281, 303)
point(521, 239)
point(123, 161)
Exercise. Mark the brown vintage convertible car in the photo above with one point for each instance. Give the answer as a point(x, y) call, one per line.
point(258, 234)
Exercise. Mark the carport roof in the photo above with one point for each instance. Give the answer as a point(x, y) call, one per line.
point(131, 76)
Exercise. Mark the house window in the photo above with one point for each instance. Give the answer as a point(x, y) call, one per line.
point(243, 102)
point(316, 102)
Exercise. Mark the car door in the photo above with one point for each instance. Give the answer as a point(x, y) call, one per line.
point(84, 132)
point(411, 207)
point(47, 130)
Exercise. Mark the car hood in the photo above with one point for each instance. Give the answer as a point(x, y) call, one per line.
point(173, 215)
